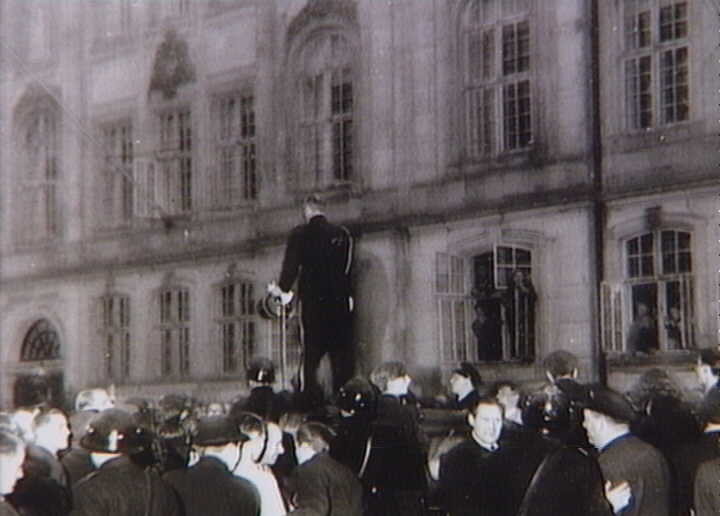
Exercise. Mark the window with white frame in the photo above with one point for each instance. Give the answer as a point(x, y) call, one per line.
point(174, 171)
point(653, 308)
point(175, 331)
point(497, 92)
point(117, 174)
point(326, 140)
point(235, 180)
point(37, 185)
point(115, 332)
point(486, 305)
point(656, 62)
point(237, 325)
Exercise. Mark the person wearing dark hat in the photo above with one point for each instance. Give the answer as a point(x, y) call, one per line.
point(209, 486)
point(320, 485)
point(623, 457)
point(120, 487)
point(464, 384)
point(319, 255)
point(263, 399)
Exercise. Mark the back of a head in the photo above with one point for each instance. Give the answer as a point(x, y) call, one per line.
point(548, 411)
point(93, 399)
point(216, 431)
point(317, 435)
point(115, 431)
point(387, 371)
point(560, 363)
point(261, 370)
point(468, 370)
point(358, 397)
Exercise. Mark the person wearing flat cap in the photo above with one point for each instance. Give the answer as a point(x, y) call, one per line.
point(209, 486)
point(623, 457)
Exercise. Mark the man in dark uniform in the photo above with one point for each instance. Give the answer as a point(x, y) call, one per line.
point(209, 487)
point(120, 487)
point(319, 255)
point(320, 485)
point(624, 457)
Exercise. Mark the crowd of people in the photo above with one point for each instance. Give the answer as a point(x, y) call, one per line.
point(375, 449)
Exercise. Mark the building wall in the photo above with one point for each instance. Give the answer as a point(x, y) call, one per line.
point(416, 189)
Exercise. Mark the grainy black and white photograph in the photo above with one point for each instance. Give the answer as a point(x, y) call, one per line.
point(359, 257)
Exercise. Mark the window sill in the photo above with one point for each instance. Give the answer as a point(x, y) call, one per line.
point(652, 137)
point(663, 357)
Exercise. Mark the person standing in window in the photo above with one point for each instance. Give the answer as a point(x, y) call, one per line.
point(519, 301)
point(319, 255)
point(643, 336)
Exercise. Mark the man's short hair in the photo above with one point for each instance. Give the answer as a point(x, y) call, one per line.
point(317, 435)
point(382, 374)
point(314, 201)
point(87, 399)
point(487, 400)
point(710, 357)
point(560, 363)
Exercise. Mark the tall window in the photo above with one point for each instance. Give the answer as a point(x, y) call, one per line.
point(326, 146)
point(175, 331)
point(117, 199)
point(116, 19)
point(237, 325)
point(235, 178)
point(656, 62)
point(497, 85)
point(115, 331)
point(175, 162)
point(486, 305)
point(653, 309)
point(38, 214)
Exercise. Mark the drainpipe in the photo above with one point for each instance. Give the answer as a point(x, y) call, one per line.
point(598, 204)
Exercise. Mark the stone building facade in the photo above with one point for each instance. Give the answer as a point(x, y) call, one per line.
point(520, 177)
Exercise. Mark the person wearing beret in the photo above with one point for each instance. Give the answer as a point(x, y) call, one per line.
point(624, 457)
point(209, 486)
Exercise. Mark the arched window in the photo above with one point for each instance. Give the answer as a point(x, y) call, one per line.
point(41, 343)
point(486, 305)
point(326, 138)
point(653, 309)
point(38, 171)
